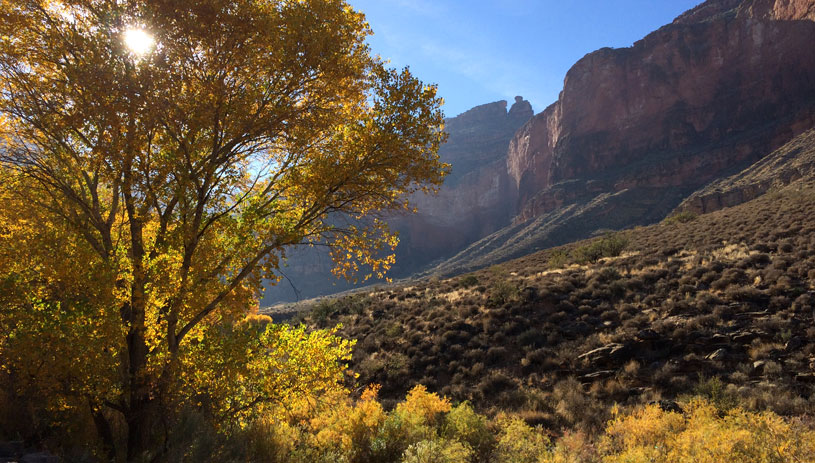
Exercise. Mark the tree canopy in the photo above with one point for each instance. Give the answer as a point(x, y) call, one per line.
point(145, 194)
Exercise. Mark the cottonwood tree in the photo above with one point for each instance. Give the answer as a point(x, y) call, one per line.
point(158, 157)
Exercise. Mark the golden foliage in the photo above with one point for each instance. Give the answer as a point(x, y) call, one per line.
point(703, 435)
point(146, 197)
point(518, 442)
point(423, 428)
point(422, 406)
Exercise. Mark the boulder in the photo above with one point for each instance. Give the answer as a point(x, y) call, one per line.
point(613, 352)
point(718, 355)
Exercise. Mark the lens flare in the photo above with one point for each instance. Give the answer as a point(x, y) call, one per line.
point(138, 41)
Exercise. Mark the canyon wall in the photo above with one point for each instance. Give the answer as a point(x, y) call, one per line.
point(723, 85)
point(793, 161)
point(477, 198)
point(637, 130)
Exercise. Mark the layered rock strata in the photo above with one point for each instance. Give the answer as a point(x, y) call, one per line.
point(720, 87)
point(793, 161)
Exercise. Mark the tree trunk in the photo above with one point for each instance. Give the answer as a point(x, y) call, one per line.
point(140, 412)
point(140, 422)
point(104, 431)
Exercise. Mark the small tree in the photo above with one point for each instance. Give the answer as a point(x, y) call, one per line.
point(159, 157)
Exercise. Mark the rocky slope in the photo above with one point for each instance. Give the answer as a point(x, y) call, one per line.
point(791, 162)
point(635, 130)
point(477, 198)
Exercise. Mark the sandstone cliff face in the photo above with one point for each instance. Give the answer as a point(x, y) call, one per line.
point(780, 10)
point(723, 85)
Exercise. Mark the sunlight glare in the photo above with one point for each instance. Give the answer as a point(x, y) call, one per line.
point(138, 41)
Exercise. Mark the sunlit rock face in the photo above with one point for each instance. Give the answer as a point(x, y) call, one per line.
point(723, 85)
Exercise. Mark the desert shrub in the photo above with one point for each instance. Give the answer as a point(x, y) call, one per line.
point(746, 294)
point(392, 330)
point(575, 407)
point(589, 253)
point(607, 274)
point(323, 310)
point(332, 307)
point(437, 450)
point(757, 260)
point(494, 383)
point(397, 365)
point(502, 292)
point(681, 217)
point(614, 244)
point(558, 259)
point(729, 277)
point(497, 355)
point(717, 393)
point(532, 337)
point(469, 281)
point(520, 443)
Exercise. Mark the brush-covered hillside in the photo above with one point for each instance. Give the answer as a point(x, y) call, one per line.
point(719, 304)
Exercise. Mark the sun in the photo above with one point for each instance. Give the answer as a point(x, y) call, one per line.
point(138, 41)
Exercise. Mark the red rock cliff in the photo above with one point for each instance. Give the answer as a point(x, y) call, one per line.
point(724, 84)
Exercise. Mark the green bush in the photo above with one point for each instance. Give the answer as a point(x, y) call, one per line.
point(717, 393)
point(502, 292)
point(611, 245)
point(346, 305)
point(558, 259)
point(682, 217)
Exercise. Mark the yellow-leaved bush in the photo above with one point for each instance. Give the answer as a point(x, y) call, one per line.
point(425, 428)
point(704, 435)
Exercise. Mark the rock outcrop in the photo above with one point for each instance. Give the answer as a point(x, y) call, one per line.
point(793, 161)
point(721, 86)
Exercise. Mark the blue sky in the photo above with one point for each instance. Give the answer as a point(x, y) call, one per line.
point(481, 51)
